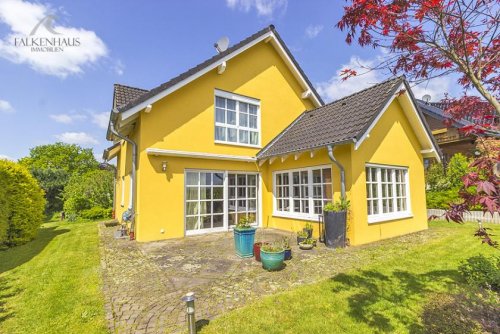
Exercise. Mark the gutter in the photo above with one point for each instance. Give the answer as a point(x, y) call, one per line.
point(340, 167)
point(133, 194)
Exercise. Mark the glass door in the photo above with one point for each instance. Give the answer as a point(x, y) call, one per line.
point(242, 197)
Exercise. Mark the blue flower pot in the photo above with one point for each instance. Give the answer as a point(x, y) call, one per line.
point(271, 260)
point(288, 254)
point(243, 241)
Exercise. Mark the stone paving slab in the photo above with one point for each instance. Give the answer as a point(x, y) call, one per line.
point(144, 282)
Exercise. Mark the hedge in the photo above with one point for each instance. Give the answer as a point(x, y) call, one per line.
point(22, 204)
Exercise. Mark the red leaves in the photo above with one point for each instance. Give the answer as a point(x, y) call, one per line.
point(347, 73)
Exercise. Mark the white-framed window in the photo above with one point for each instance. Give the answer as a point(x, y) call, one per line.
point(242, 196)
point(302, 193)
point(237, 119)
point(387, 192)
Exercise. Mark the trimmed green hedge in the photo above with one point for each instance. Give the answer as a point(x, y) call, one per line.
point(21, 204)
point(442, 199)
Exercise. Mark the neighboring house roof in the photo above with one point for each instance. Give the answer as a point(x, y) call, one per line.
point(123, 95)
point(433, 109)
point(348, 119)
point(215, 60)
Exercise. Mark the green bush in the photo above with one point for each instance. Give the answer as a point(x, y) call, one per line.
point(96, 213)
point(482, 271)
point(442, 199)
point(21, 204)
point(92, 189)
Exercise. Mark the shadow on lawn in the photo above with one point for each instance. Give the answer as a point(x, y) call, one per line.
point(380, 299)
point(16, 256)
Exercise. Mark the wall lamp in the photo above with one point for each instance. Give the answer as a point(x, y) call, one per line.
point(164, 165)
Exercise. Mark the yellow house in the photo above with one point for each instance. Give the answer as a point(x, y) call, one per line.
point(245, 133)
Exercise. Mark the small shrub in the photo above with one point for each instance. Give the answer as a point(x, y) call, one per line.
point(342, 205)
point(441, 199)
point(482, 271)
point(96, 213)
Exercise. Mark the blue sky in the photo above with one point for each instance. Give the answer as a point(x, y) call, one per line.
point(67, 96)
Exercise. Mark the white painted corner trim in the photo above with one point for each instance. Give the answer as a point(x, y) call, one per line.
point(198, 155)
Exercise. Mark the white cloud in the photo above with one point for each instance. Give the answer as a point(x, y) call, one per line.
point(22, 16)
point(336, 88)
point(80, 138)
point(6, 107)
point(435, 88)
point(5, 157)
point(67, 118)
point(119, 67)
point(263, 7)
point(313, 30)
point(101, 119)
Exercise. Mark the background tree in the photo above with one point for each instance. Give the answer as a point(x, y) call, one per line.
point(53, 165)
point(426, 39)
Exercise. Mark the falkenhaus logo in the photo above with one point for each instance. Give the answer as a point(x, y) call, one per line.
point(55, 43)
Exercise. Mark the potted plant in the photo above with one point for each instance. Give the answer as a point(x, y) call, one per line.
point(272, 256)
point(256, 249)
point(309, 230)
point(335, 218)
point(301, 236)
point(244, 237)
point(307, 244)
point(287, 248)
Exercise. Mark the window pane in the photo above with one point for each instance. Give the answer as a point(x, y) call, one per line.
point(192, 223)
point(252, 109)
point(206, 221)
point(218, 221)
point(252, 180)
point(252, 192)
point(327, 191)
point(242, 179)
point(205, 178)
point(220, 102)
point(218, 179)
point(244, 136)
point(232, 179)
point(231, 117)
point(232, 192)
point(192, 208)
point(304, 177)
point(231, 219)
point(191, 193)
point(220, 115)
point(231, 135)
point(252, 205)
point(218, 207)
point(254, 138)
point(218, 193)
point(252, 122)
point(205, 192)
point(317, 191)
point(192, 178)
point(243, 107)
point(220, 133)
point(368, 174)
point(231, 104)
point(244, 120)
point(316, 176)
point(205, 207)
point(327, 175)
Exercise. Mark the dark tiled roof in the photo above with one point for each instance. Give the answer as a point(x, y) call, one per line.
point(208, 62)
point(124, 94)
point(432, 109)
point(337, 122)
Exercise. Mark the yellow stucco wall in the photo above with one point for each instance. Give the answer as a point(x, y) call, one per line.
point(184, 121)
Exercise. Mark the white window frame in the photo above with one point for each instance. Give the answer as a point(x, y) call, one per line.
point(299, 215)
point(243, 99)
point(381, 216)
point(225, 227)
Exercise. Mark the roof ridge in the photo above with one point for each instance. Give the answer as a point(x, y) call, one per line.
point(360, 91)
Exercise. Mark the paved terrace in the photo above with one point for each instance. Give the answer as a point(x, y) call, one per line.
point(144, 282)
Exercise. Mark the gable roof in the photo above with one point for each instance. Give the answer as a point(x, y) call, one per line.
point(347, 120)
point(123, 95)
point(191, 74)
point(434, 110)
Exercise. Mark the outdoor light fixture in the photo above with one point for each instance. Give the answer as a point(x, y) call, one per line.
point(164, 166)
point(190, 311)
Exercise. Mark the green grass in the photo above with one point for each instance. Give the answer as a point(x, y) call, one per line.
point(53, 284)
point(386, 295)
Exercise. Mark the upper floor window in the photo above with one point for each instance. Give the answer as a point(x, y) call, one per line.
point(237, 119)
point(387, 192)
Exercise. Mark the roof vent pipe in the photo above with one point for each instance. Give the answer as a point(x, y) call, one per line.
point(132, 174)
point(341, 168)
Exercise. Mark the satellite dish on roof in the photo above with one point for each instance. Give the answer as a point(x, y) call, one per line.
point(222, 44)
point(426, 98)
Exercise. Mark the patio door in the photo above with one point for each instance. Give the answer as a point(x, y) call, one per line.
point(216, 200)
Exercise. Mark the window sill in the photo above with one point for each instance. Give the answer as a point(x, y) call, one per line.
point(237, 144)
point(389, 217)
point(296, 216)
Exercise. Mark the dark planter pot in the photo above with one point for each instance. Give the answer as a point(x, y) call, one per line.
point(309, 233)
point(335, 229)
point(288, 254)
point(300, 239)
point(272, 261)
point(256, 250)
point(243, 241)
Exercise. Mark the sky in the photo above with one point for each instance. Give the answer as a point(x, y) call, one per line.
point(66, 96)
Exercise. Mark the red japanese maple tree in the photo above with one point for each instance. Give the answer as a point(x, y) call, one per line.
point(426, 39)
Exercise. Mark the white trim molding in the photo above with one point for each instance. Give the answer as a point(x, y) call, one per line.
point(198, 155)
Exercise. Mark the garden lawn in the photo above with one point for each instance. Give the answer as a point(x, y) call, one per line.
point(386, 295)
point(53, 284)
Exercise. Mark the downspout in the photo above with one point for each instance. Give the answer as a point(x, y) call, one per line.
point(341, 168)
point(132, 177)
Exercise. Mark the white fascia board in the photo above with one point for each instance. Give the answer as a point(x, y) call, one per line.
point(198, 155)
point(422, 127)
point(276, 43)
